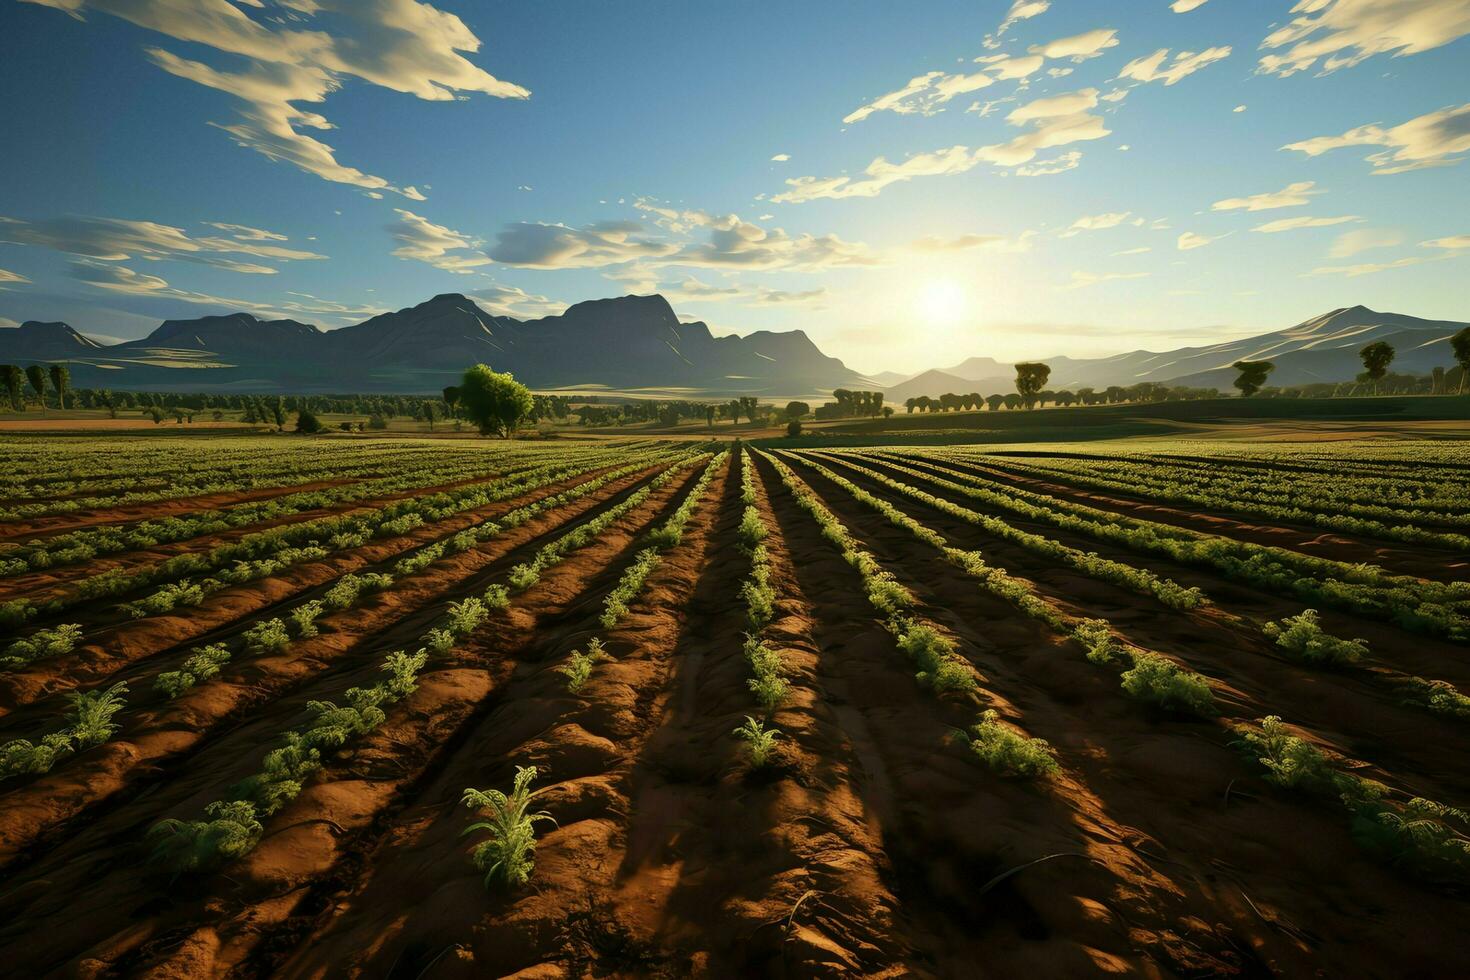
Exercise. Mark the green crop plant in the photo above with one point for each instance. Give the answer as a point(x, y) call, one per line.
point(403, 673)
point(202, 664)
point(42, 643)
point(496, 597)
point(1097, 637)
point(1303, 637)
point(1422, 835)
point(464, 616)
point(21, 757)
point(578, 667)
point(759, 594)
point(936, 659)
point(1161, 681)
point(760, 742)
point(92, 713)
point(1007, 751)
point(769, 685)
point(303, 618)
point(1440, 697)
point(508, 853)
point(267, 637)
point(752, 528)
point(231, 829)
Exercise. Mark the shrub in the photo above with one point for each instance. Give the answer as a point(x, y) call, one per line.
point(793, 428)
point(307, 423)
point(1007, 751)
point(1163, 682)
point(377, 423)
point(1305, 639)
point(760, 741)
point(508, 853)
point(578, 667)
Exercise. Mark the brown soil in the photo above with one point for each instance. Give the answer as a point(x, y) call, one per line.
point(876, 845)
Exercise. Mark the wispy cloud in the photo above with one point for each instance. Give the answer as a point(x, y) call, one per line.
point(118, 239)
point(444, 248)
point(1303, 221)
point(1290, 196)
point(1430, 140)
point(1452, 242)
point(12, 278)
point(1081, 279)
point(1191, 240)
point(1151, 67)
point(1096, 222)
point(1343, 33)
point(1351, 243)
point(987, 243)
point(403, 45)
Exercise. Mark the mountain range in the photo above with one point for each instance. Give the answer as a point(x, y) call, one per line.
point(633, 343)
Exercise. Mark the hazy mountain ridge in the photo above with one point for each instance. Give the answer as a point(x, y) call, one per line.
point(620, 343)
point(635, 342)
point(1321, 349)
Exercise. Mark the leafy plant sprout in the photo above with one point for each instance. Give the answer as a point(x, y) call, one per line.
point(760, 742)
point(507, 855)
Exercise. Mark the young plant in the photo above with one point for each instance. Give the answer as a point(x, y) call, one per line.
point(1007, 751)
point(40, 644)
point(466, 615)
point(231, 829)
point(268, 636)
point(578, 667)
point(508, 854)
point(1163, 682)
point(203, 663)
point(92, 712)
point(1097, 637)
point(303, 618)
point(768, 685)
point(1304, 638)
point(496, 597)
point(22, 757)
point(934, 655)
point(760, 742)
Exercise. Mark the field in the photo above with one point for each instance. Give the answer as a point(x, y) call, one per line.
point(1182, 707)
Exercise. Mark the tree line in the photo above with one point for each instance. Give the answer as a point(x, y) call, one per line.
point(1376, 358)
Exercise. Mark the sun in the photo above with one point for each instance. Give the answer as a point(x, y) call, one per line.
point(942, 301)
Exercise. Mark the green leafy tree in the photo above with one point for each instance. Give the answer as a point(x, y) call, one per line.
point(1376, 357)
point(1252, 376)
point(36, 375)
point(1030, 379)
point(14, 379)
point(307, 423)
point(995, 402)
point(61, 381)
point(496, 402)
point(795, 410)
point(1460, 344)
point(451, 398)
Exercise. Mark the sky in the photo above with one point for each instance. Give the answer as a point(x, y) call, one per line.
point(911, 184)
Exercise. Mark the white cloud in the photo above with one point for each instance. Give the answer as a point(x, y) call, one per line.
point(1453, 242)
point(120, 279)
point(1303, 221)
point(1060, 163)
point(1079, 47)
point(1367, 268)
point(245, 233)
point(1430, 140)
point(1343, 33)
point(878, 175)
point(512, 301)
point(1189, 240)
point(1290, 196)
point(781, 158)
point(1020, 10)
point(1096, 222)
point(1351, 243)
point(1052, 132)
point(985, 243)
point(6, 276)
point(535, 245)
point(691, 290)
point(1081, 279)
point(117, 239)
point(1065, 104)
point(443, 248)
point(403, 45)
point(1239, 108)
point(1135, 251)
point(1151, 68)
point(1185, 6)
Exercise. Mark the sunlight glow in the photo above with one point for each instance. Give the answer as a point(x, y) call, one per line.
point(942, 301)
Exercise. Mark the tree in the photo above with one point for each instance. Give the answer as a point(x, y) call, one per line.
point(307, 423)
point(496, 402)
point(1252, 376)
point(709, 416)
point(377, 423)
point(909, 404)
point(14, 378)
point(451, 398)
point(748, 406)
point(278, 411)
point(36, 375)
point(1376, 357)
point(61, 381)
point(1460, 344)
point(795, 410)
point(995, 402)
point(105, 399)
point(431, 412)
point(1436, 381)
point(793, 428)
point(1030, 379)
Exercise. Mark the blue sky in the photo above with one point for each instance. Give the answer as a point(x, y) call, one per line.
point(1079, 181)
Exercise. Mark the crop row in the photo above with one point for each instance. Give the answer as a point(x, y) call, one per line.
point(1416, 604)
